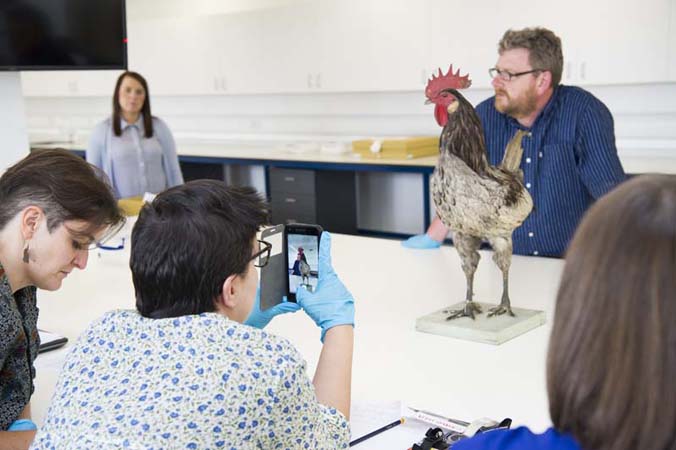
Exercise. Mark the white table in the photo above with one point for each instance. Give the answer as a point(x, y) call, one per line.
point(392, 287)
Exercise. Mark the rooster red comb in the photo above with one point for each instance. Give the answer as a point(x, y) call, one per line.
point(449, 81)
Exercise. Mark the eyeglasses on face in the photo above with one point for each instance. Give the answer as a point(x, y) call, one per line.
point(85, 242)
point(509, 76)
point(262, 256)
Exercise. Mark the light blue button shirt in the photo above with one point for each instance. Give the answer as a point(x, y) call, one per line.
point(135, 164)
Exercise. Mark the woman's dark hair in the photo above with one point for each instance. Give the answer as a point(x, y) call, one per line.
point(612, 355)
point(188, 241)
point(63, 185)
point(117, 113)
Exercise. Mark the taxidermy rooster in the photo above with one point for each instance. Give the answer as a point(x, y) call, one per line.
point(475, 200)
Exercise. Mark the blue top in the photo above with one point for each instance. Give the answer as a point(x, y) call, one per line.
point(191, 382)
point(135, 164)
point(569, 160)
point(518, 439)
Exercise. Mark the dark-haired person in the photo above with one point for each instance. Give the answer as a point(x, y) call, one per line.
point(135, 149)
point(611, 362)
point(183, 371)
point(569, 158)
point(55, 206)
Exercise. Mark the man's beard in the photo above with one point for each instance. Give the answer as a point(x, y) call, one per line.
point(518, 107)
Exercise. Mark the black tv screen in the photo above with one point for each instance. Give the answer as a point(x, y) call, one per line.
point(62, 34)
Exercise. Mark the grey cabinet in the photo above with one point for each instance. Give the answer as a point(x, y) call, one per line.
point(324, 197)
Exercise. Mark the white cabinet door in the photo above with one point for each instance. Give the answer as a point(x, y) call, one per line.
point(69, 83)
point(616, 42)
point(374, 45)
point(466, 35)
point(171, 54)
point(671, 49)
point(269, 50)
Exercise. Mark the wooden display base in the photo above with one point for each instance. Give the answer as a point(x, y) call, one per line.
point(490, 330)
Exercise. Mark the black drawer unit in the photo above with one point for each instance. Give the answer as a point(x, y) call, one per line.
point(324, 197)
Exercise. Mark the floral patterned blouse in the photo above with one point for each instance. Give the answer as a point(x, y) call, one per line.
point(193, 382)
point(19, 342)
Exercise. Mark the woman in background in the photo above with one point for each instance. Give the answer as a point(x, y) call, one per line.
point(55, 207)
point(612, 353)
point(135, 149)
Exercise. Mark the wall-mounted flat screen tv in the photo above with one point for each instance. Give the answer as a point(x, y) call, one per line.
point(62, 34)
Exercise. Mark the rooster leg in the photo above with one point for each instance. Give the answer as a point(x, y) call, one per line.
point(503, 259)
point(467, 247)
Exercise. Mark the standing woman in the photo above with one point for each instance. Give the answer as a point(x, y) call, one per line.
point(55, 207)
point(135, 149)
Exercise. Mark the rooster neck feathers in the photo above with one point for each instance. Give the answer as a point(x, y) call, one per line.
point(463, 136)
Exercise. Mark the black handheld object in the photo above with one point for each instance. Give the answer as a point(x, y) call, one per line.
point(273, 274)
point(301, 245)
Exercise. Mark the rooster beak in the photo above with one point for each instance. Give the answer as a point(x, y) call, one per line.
point(428, 102)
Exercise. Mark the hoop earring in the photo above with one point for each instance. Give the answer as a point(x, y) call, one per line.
point(25, 253)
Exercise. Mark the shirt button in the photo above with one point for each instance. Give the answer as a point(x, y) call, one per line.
point(528, 160)
point(535, 253)
point(528, 185)
point(540, 154)
point(530, 234)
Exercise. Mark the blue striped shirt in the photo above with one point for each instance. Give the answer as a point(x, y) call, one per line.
point(569, 160)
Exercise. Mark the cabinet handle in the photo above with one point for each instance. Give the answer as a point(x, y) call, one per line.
point(290, 200)
point(289, 179)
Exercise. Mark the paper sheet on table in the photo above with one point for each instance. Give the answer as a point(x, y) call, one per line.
point(366, 416)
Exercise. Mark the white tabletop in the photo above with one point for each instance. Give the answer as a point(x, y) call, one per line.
point(392, 287)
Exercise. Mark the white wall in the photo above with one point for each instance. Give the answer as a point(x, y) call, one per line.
point(13, 135)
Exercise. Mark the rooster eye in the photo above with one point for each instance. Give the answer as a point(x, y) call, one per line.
point(444, 94)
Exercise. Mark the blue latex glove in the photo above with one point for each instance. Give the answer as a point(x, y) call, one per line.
point(421, 241)
point(22, 425)
point(331, 304)
point(260, 319)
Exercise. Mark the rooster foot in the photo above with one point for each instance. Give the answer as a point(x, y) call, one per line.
point(500, 310)
point(469, 310)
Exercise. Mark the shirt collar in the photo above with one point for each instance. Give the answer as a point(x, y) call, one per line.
point(138, 124)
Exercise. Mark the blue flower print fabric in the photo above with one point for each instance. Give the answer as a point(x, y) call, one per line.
point(193, 382)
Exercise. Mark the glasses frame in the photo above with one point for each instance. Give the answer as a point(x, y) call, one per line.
point(494, 72)
point(263, 254)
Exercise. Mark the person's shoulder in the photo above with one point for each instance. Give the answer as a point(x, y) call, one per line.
point(105, 124)
point(113, 318)
point(160, 124)
point(518, 439)
point(101, 128)
point(486, 106)
point(579, 98)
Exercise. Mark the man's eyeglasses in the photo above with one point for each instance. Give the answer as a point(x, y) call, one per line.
point(508, 76)
point(262, 256)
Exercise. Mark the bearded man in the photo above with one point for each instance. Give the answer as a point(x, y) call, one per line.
point(569, 158)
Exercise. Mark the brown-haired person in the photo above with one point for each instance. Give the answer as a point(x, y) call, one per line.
point(55, 207)
point(611, 364)
point(569, 154)
point(135, 149)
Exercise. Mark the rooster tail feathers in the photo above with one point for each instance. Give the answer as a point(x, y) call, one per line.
point(513, 153)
